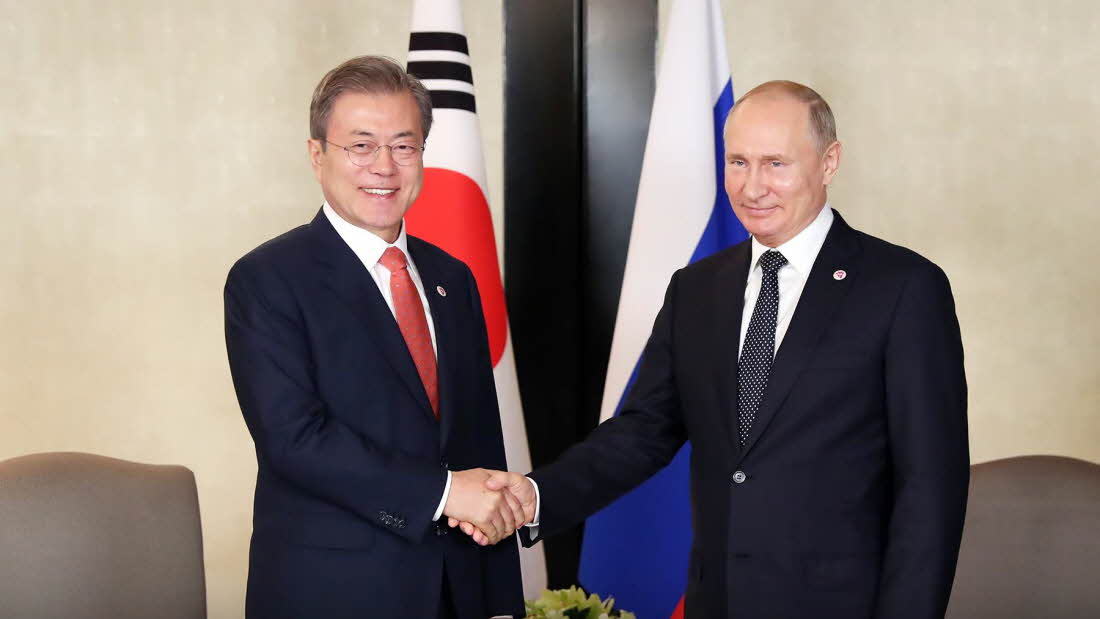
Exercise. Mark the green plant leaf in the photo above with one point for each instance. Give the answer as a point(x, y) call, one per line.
point(573, 603)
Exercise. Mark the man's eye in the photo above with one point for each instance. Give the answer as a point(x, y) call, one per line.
point(362, 148)
point(404, 149)
point(776, 164)
point(737, 163)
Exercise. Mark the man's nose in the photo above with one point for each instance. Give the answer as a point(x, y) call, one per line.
point(754, 185)
point(383, 163)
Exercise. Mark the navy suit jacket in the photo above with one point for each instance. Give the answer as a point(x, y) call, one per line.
point(847, 500)
point(351, 461)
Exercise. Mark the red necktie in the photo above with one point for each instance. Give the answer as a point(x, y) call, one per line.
point(412, 322)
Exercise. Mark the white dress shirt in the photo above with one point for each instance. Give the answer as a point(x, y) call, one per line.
point(369, 248)
point(800, 252)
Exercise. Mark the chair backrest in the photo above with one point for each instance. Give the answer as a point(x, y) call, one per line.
point(1031, 543)
point(89, 537)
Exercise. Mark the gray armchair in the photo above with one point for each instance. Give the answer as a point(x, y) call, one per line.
point(1031, 543)
point(89, 537)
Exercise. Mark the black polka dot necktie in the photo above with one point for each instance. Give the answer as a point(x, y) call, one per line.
point(759, 348)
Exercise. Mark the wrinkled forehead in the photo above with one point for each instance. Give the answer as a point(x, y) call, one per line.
point(381, 115)
point(774, 108)
point(768, 116)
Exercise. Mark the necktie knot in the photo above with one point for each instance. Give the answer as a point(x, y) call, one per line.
point(393, 259)
point(771, 261)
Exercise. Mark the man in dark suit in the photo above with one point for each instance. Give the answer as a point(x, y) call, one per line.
point(818, 373)
point(361, 363)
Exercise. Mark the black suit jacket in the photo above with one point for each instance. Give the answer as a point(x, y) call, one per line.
point(853, 480)
point(352, 462)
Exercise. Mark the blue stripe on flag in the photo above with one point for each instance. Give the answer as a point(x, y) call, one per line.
point(723, 229)
point(636, 549)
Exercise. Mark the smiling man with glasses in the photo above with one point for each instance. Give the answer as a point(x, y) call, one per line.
point(378, 176)
point(361, 364)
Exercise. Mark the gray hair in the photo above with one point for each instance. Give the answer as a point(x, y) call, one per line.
point(365, 74)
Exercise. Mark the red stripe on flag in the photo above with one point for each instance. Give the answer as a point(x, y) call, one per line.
point(452, 213)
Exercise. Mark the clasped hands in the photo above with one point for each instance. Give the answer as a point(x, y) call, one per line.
point(489, 505)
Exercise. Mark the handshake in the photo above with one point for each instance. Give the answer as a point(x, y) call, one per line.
point(490, 505)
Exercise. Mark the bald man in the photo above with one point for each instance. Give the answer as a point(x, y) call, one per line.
point(818, 373)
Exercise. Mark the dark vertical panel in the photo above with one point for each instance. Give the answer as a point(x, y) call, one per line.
point(579, 79)
point(619, 80)
point(542, 197)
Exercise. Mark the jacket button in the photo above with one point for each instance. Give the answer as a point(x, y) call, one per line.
point(443, 462)
point(739, 477)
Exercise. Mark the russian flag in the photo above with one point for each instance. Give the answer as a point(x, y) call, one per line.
point(636, 549)
point(452, 212)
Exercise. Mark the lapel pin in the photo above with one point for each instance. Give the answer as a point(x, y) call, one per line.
point(441, 291)
point(839, 274)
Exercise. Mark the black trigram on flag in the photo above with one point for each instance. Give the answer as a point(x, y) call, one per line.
point(442, 61)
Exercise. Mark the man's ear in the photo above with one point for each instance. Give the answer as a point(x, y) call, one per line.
point(316, 156)
point(830, 161)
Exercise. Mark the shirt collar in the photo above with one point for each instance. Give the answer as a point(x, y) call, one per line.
point(802, 250)
point(367, 246)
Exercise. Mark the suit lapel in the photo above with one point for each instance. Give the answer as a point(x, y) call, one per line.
point(820, 300)
point(350, 281)
point(443, 318)
point(729, 299)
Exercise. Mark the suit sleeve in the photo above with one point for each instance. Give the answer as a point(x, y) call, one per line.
point(625, 450)
point(926, 416)
point(296, 438)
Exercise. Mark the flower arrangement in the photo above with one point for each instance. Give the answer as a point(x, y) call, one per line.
point(573, 603)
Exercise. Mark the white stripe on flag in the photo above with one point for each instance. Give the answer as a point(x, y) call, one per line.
point(637, 548)
point(458, 85)
point(676, 189)
point(438, 55)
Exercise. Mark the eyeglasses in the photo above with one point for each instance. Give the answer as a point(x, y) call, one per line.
point(363, 154)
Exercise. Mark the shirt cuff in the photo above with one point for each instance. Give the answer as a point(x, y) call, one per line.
point(447, 493)
point(538, 505)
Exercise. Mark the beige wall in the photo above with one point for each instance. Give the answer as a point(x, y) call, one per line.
point(149, 144)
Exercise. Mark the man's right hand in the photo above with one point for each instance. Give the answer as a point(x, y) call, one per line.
point(496, 513)
point(517, 489)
